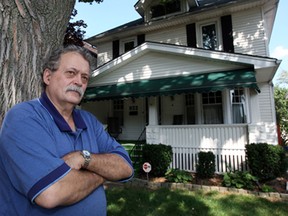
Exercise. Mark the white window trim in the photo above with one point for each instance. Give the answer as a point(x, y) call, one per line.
point(217, 23)
point(183, 5)
point(226, 107)
point(123, 42)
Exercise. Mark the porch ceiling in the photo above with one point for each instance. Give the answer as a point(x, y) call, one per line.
point(207, 82)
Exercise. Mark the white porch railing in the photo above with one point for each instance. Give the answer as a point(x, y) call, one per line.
point(227, 142)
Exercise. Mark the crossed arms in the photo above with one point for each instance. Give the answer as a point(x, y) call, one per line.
point(79, 183)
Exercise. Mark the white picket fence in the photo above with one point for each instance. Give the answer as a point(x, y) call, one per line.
point(227, 142)
point(187, 158)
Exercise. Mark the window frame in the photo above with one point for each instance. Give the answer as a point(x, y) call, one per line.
point(213, 101)
point(199, 36)
point(148, 13)
point(245, 104)
point(128, 40)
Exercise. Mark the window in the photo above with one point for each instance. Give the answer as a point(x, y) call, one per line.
point(190, 108)
point(133, 110)
point(238, 105)
point(212, 107)
point(209, 37)
point(165, 7)
point(127, 45)
point(118, 110)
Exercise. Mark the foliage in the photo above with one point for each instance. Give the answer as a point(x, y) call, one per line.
point(91, 1)
point(239, 179)
point(206, 164)
point(266, 188)
point(74, 33)
point(159, 156)
point(282, 80)
point(266, 161)
point(281, 105)
point(178, 176)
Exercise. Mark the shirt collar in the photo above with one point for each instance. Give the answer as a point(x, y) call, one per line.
point(59, 120)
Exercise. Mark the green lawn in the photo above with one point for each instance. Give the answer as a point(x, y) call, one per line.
point(144, 202)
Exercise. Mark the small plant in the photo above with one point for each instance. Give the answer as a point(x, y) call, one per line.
point(266, 188)
point(178, 176)
point(206, 164)
point(239, 179)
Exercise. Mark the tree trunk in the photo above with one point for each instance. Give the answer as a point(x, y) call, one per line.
point(29, 30)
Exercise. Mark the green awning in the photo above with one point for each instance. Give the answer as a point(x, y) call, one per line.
point(208, 82)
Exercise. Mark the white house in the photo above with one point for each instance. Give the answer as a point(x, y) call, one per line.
point(193, 74)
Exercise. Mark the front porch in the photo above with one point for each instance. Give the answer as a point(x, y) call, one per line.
point(227, 142)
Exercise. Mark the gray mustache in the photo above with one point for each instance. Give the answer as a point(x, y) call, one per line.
point(76, 89)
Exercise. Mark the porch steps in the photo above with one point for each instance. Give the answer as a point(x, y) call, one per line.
point(135, 152)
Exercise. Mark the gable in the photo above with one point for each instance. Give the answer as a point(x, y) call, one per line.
point(154, 65)
point(157, 60)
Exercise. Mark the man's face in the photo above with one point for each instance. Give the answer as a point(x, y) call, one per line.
point(68, 84)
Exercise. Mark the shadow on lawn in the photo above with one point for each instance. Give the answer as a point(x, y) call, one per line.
point(143, 202)
point(146, 202)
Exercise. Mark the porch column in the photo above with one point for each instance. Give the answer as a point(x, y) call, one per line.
point(153, 110)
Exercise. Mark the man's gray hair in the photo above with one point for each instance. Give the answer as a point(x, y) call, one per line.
point(53, 61)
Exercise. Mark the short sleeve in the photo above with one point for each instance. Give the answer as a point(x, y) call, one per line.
point(28, 151)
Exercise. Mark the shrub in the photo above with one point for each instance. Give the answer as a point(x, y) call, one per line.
point(159, 156)
point(178, 176)
point(239, 179)
point(266, 161)
point(206, 164)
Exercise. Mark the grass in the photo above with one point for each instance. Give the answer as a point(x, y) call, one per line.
point(145, 202)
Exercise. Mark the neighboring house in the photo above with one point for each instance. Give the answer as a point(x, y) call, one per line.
point(195, 75)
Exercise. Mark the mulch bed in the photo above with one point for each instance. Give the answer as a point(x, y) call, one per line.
point(278, 184)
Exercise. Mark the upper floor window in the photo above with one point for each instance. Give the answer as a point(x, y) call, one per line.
point(165, 7)
point(128, 45)
point(209, 35)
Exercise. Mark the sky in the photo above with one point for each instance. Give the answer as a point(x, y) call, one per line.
point(112, 13)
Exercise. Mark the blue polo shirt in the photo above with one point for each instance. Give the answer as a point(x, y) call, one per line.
point(33, 139)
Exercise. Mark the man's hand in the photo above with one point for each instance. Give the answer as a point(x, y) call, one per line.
point(74, 159)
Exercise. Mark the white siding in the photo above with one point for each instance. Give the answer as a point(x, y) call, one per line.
point(156, 65)
point(249, 33)
point(104, 53)
point(266, 104)
point(175, 35)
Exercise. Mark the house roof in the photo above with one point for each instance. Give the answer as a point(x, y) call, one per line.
point(223, 7)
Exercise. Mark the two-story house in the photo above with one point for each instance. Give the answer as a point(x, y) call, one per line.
point(193, 74)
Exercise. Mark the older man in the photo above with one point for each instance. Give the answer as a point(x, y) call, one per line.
point(55, 158)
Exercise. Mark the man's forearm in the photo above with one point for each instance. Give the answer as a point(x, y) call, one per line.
point(110, 166)
point(73, 187)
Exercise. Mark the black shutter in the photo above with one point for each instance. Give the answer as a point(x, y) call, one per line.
point(140, 39)
point(227, 33)
point(191, 35)
point(116, 48)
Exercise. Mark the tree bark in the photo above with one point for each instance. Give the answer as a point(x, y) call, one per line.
point(29, 30)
